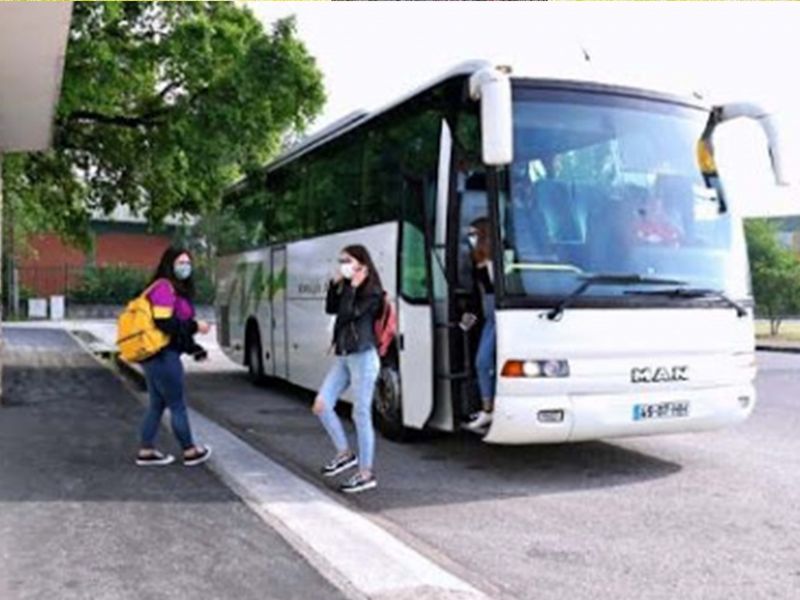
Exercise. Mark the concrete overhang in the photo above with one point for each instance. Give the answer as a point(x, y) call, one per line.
point(33, 42)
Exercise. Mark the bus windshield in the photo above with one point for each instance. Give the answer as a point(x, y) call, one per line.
point(609, 184)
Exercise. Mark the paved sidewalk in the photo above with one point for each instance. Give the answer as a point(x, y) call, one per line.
point(79, 520)
point(105, 330)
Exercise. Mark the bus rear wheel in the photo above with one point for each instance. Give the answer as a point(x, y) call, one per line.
point(387, 406)
point(255, 360)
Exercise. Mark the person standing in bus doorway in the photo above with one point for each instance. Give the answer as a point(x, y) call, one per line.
point(171, 292)
point(480, 242)
point(355, 296)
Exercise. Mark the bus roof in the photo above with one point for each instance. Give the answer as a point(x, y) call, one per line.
point(579, 77)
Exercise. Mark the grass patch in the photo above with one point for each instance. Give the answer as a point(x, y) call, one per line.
point(788, 332)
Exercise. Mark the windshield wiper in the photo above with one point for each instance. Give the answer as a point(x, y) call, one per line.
point(694, 293)
point(606, 279)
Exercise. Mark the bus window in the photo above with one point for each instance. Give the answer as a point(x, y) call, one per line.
point(621, 194)
point(400, 166)
point(382, 190)
point(334, 188)
point(414, 279)
point(472, 204)
point(418, 198)
point(345, 164)
point(287, 203)
point(242, 222)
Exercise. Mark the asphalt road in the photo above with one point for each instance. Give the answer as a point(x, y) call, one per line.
point(709, 515)
point(79, 521)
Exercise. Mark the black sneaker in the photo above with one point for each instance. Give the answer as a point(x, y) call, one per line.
point(198, 459)
point(156, 459)
point(339, 464)
point(359, 483)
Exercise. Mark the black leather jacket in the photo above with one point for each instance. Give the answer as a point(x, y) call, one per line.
point(181, 335)
point(356, 311)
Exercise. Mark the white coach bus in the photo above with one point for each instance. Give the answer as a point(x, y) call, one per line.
point(623, 299)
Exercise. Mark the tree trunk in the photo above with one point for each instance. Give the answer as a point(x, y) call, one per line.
point(774, 325)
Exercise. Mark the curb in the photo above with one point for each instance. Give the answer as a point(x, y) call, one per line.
point(359, 557)
point(783, 349)
point(132, 372)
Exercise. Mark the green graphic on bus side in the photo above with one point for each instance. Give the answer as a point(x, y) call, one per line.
point(277, 284)
point(254, 288)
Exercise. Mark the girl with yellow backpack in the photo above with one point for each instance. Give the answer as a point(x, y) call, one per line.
point(155, 330)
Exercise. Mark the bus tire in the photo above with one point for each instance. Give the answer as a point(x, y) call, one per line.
point(253, 357)
point(387, 406)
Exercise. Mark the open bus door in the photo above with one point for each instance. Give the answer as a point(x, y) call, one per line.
point(406, 397)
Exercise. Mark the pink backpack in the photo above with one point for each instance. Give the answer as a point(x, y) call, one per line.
point(385, 326)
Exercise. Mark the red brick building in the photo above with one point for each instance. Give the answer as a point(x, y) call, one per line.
point(53, 267)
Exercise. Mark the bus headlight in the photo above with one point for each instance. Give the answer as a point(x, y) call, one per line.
point(555, 368)
point(535, 368)
point(531, 368)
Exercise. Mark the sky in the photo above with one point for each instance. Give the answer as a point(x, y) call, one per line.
point(372, 52)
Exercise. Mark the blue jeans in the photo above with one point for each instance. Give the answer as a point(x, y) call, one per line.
point(487, 349)
point(164, 375)
point(360, 371)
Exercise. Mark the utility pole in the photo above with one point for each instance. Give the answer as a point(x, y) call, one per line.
point(2, 343)
point(9, 265)
point(12, 263)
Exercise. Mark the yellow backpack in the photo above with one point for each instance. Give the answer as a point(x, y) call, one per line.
point(138, 338)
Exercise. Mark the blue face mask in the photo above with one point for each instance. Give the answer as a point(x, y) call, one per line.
point(183, 271)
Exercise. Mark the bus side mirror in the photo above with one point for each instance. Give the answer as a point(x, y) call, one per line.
point(728, 112)
point(755, 186)
point(492, 86)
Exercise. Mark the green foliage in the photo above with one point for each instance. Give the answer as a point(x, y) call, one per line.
point(109, 285)
point(203, 287)
point(163, 105)
point(238, 225)
point(775, 272)
point(118, 284)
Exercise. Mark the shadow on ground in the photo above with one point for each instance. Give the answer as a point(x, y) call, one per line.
point(432, 469)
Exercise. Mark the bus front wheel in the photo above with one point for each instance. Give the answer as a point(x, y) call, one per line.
point(387, 406)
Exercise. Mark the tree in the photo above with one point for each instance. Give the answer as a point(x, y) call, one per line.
point(775, 272)
point(163, 105)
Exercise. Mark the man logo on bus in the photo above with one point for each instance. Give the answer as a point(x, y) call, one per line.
point(659, 374)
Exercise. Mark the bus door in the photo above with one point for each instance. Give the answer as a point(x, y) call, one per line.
point(470, 202)
point(277, 293)
point(423, 298)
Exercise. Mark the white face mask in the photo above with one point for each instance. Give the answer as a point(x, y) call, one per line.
point(472, 240)
point(183, 270)
point(347, 270)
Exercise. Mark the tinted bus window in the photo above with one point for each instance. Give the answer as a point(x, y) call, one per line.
point(334, 187)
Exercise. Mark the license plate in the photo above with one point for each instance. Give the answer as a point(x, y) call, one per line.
point(662, 410)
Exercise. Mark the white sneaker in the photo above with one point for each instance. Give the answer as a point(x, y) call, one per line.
point(480, 422)
point(155, 459)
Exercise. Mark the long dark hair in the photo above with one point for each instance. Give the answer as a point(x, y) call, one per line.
point(483, 249)
point(166, 270)
point(361, 254)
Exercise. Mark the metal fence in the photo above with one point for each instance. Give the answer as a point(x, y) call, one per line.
point(103, 285)
point(80, 284)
